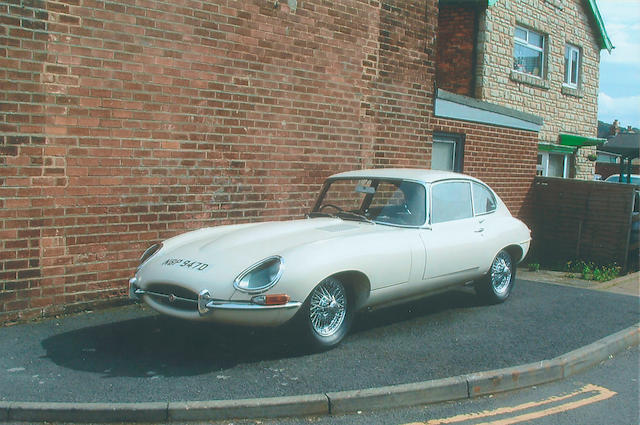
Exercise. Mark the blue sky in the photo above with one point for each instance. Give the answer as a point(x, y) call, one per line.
point(619, 95)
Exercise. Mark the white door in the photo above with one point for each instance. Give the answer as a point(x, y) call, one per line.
point(454, 237)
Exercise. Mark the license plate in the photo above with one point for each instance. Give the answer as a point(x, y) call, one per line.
point(185, 263)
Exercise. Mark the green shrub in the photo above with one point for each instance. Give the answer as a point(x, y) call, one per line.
point(591, 271)
point(533, 267)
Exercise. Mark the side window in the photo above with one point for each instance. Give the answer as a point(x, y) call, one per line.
point(450, 201)
point(483, 200)
point(400, 203)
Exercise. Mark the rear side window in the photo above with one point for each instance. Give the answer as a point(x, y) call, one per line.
point(450, 201)
point(483, 200)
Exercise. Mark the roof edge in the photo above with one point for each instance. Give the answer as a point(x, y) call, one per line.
point(605, 41)
point(487, 106)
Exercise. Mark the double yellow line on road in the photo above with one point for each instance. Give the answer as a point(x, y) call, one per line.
point(586, 395)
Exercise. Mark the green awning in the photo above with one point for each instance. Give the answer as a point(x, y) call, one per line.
point(579, 141)
point(550, 147)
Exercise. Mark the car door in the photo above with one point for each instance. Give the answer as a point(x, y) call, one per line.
point(489, 224)
point(452, 243)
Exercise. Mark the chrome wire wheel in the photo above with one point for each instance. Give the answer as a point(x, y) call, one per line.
point(328, 307)
point(501, 273)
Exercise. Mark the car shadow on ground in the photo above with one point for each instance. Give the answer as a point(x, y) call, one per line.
point(420, 308)
point(164, 345)
point(170, 347)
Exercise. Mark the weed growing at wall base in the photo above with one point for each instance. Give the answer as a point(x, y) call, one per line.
point(591, 271)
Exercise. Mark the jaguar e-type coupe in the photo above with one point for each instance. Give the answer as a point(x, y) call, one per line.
point(374, 237)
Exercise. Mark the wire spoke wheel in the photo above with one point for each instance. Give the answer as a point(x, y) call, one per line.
point(497, 284)
point(328, 307)
point(501, 273)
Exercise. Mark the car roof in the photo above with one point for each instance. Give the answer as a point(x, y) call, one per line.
point(624, 176)
point(427, 176)
point(614, 178)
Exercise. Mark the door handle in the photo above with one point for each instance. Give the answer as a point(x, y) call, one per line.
point(479, 230)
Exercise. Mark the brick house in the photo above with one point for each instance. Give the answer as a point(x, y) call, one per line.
point(540, 57)
point(126, 122)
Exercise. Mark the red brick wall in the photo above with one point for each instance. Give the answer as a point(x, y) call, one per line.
point(503, 158)
point(457, 29)
point(123, 125)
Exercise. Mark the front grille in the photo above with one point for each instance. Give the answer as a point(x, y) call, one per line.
point(173, 296)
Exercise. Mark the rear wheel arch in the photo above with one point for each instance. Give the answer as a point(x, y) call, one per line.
point(516, 253)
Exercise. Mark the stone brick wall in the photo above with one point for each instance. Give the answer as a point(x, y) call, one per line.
point(456, 49)
point(122, 125)
point(564, 110)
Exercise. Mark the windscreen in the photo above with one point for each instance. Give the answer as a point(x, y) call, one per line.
point(395, 202)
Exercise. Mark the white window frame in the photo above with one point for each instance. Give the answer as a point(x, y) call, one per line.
point(525, 43)
point(569, 50)
point(544, 167)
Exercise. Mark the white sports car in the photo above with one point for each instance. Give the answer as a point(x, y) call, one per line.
point(374, 237)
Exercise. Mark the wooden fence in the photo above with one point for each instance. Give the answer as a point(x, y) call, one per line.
point(588, 220)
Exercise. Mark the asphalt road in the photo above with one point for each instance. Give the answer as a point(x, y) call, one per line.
point(606, 394)
point(130, 354)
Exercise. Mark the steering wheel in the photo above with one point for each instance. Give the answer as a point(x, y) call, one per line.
point(405, 209)
point(330, 205)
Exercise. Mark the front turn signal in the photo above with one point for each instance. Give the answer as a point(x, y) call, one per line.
point(275, 299)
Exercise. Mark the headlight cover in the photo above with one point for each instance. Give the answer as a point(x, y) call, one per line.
point(149, 252)
point(261, 276)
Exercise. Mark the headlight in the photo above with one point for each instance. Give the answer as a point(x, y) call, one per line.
point(261, 276)
point(148, 253)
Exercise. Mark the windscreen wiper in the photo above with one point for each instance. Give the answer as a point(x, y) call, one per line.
point(314, 214)
point(350, 215)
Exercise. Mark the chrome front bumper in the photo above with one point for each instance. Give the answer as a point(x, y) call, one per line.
point(205, 302)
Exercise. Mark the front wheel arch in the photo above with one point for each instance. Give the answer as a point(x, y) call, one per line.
point(357, 284)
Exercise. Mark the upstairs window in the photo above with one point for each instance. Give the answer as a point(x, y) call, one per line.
point(528, 54)
point(571, 66)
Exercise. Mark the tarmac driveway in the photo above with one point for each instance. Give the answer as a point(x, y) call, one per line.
point(130, 354)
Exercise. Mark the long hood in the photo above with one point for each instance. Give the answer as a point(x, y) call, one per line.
point(257, 241)
point(216, 256)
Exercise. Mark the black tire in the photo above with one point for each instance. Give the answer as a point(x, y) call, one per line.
point(327, 314)
point(498, 283)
